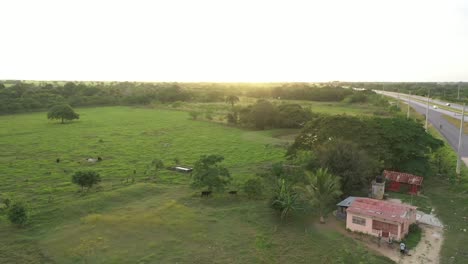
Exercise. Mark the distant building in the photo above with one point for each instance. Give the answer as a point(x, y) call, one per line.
point(380, 218)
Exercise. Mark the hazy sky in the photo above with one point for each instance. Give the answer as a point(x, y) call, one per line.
point(248, 41)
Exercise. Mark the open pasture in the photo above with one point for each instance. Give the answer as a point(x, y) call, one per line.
point(160, 220)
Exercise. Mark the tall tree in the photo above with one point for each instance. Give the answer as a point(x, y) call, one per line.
point(263, 114)
point(351, 164)
point(393, 142)
point(63, 112)
point(293, 116)
point(321, 190)
point(232, 99)
point(209, 173)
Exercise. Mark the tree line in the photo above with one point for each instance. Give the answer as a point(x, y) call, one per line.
point(265, 114)
point(22, 96)
point(18, 96)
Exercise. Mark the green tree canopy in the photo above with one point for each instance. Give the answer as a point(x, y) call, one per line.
point(261, 115)
point(62, 112)
point(344, 159)
point(209, 173)
point(393, 142)
point(293, 116)
point(86, 178)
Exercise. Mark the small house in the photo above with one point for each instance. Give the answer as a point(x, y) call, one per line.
point(399, 181)
point(380, 218)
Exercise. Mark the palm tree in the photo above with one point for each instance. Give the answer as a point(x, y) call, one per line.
point(232, 99)
point(322, 189)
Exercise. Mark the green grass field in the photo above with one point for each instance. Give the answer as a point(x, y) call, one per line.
point(158, 221)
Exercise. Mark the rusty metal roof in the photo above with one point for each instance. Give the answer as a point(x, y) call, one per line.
point(380, 209)
point(403, 177)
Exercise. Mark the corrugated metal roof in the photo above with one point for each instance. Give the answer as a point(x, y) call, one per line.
point(347, 202)
point(403, 177)
point(380, 209)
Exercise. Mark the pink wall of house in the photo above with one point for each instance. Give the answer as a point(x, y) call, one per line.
point(364, 224)
point(367, 228)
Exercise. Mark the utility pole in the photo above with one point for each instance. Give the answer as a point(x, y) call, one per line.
point(427, 111)
point(398, 101)
point(407, 113)
point(460, 141)
point(458, 96)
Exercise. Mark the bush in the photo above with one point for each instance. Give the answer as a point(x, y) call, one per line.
point(7, 202)
point(413, 237)
point(18, 214)
point(194, 115)
point(208, 116)
point(253, 188)
point(285, 199)
point(232, 118)
point(86, 178)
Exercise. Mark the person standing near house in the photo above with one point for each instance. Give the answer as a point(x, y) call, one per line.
point(402, 248)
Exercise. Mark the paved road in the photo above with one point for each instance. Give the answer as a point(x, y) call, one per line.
point(449, 131)
point(431, 101)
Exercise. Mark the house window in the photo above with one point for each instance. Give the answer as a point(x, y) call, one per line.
point(359, 220)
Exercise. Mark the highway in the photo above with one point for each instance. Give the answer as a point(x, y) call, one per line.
point(435, 117)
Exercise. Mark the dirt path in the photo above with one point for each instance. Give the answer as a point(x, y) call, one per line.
point(427, 251)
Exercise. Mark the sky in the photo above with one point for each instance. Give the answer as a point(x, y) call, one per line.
point(234, 41)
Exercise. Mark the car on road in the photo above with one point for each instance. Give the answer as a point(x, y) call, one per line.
point(447, 104)
point(435, 106)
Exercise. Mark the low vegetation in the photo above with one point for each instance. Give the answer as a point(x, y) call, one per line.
point(18, 214)
point(413, 237)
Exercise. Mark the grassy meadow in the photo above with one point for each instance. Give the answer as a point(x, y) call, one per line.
point(161, 220)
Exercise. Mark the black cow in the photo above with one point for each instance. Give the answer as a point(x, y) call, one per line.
point(205, 193)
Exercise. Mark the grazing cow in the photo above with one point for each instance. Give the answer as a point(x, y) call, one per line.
point(232, 192)
point(99, 159)
point(58, 160)
point(205, 193)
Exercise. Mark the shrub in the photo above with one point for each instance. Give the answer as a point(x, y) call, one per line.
point(413, 237)
point(194, 115)
point(253, 188)
point(232, 118)
point(285, 199)
point(86, 178)
point(7, 202)
point(208, 116)
point(18, 214)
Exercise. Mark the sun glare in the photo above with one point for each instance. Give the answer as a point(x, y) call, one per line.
point(247, 41)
